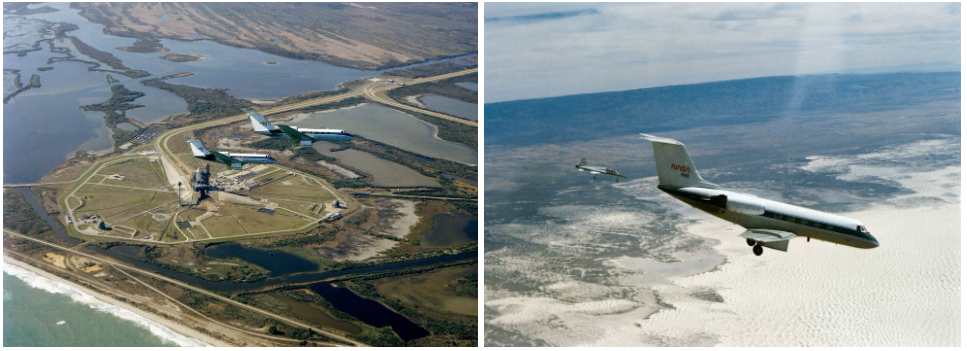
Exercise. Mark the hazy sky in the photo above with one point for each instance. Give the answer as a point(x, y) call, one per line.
point(535, 50)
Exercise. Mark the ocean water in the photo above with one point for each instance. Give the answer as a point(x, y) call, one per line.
point(41, 312)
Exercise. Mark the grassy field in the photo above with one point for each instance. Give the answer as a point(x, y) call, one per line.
point(68, 173)
point(235, 220)
point(302, 207)
point(146, 223)
point(431, 292)
point(137, 172)
point(223, 225)
point(293, 187)
point(107, 201)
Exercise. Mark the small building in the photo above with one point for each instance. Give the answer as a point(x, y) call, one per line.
point(245, 176)
point(332, 217)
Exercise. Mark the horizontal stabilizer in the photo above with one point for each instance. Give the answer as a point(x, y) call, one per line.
point(656, 139)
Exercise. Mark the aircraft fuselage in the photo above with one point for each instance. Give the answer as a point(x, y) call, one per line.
point(599, 170)
point(315, 134)
point(784, 217)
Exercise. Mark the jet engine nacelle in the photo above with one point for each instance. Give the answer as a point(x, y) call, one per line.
point(740, 204)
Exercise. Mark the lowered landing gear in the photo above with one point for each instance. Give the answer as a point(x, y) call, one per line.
point(750, 242)
point(757, 250)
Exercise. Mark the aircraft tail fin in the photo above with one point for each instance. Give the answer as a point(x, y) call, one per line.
point(584, 161)
point(675, 168)
point(197, 149)
point(259, 122)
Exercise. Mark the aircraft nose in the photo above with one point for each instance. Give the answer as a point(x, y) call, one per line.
point(874, 242)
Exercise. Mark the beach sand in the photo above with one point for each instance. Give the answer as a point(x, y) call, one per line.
point(177, 328)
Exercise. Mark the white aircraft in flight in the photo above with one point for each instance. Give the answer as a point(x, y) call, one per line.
point(235, 160)
point(305, 136)
point(768, 223)
point(595, 170)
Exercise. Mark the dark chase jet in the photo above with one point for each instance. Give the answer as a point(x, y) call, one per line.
point(595, 170)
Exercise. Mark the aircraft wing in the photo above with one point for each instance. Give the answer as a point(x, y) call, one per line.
point(616, 174)
point(594, 172)
point(771, 238)
point(220, 157)
point(294, 134)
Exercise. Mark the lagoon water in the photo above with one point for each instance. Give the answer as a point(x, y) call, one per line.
point(450, 106)
point(391, 127)
point(369, 311)
point(451, 229)
point(468, 85)
point(384, 172)
point(41, 127)
point(276, 262)
point(53, 108)
point(40, 312)
point(242, 71)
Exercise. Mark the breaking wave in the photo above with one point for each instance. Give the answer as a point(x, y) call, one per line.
point(167, 335)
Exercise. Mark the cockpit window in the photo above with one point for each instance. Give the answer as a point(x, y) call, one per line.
point(861, 228)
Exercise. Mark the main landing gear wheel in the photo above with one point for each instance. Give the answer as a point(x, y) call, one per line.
point(750, 242)
point(757, 250)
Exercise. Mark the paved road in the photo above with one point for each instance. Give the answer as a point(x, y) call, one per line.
point(379, 95)
point(421, 197)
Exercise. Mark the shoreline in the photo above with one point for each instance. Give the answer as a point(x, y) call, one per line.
point(177, 328)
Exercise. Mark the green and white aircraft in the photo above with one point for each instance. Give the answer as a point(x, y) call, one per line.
point(234, 160)
point(305, 136)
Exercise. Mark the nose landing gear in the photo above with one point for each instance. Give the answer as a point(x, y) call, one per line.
point(757, 250)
